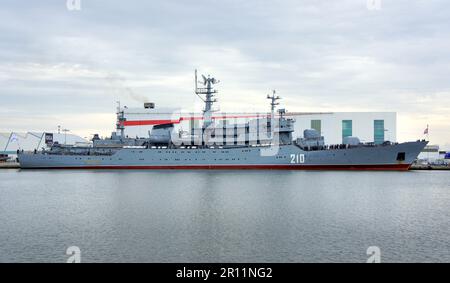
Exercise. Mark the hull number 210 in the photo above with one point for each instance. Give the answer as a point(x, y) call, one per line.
point(297, 158)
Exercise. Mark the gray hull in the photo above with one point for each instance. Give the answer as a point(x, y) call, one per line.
point(290, 157)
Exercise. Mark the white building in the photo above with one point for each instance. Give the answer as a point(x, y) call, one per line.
point(374, 127)
point(367, 126)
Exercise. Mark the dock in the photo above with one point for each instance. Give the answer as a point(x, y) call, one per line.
point(9, 165)
point(429, 167)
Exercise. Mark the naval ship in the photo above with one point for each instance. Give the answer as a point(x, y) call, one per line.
point(262, 143)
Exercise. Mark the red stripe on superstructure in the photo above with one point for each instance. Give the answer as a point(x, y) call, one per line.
point(160, 122)
point(386, 167)
point(149, 122)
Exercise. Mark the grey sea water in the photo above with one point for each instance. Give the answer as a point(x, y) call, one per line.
point(224, 216)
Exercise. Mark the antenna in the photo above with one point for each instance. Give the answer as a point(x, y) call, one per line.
point(273, 102)
point(209, 93)
point(120, 119)
point(195, 80)
point(65, 134)
point(196, 87)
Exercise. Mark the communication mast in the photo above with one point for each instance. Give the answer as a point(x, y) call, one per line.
point(120, 127)
point(209, 92)
point(273, 103)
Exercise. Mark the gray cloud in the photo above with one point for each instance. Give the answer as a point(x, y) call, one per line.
point(319, 55)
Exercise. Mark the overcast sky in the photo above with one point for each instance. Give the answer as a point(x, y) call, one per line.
point(61, 67)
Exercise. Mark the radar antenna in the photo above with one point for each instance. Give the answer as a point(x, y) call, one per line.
point(209, 93)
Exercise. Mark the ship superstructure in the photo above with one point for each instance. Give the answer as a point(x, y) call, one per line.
point(265, 142)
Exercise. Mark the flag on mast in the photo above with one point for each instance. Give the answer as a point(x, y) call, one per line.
point(426, 130)
point(14, 138)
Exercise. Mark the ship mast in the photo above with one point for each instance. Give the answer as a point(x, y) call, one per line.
point(273, 103)
point(120, 119)
point(209, 93)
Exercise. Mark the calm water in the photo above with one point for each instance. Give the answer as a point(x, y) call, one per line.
point(224, 216)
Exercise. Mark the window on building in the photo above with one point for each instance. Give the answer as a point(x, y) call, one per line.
point(316, 125)
point(378, 131)
point(347, 128)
